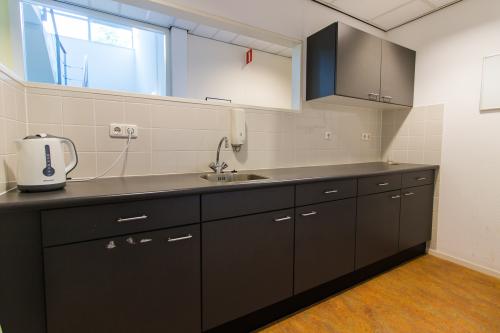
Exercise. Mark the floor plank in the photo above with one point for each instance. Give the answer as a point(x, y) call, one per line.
point(427, 294)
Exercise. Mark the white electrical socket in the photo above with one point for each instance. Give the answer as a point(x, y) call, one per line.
point(328, 135)
point(122, 131)
point(366, 136)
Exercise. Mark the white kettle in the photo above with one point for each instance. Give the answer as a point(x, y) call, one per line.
point(40, 164)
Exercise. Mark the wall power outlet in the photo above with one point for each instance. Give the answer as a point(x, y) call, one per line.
point(366, 136)
point(122, 131)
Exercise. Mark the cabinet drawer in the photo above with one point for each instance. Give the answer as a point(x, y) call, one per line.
point(237, 203)
point(70, 225)
point(425, 177)
point(379, 184)
point(324, 191)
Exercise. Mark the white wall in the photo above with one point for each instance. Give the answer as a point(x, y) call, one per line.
point(450, 46)
point(217, 69)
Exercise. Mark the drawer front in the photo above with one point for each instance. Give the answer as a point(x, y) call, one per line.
point(425, 177)
point(377, 184)
point(325, 191)
point(61, 226)
point(237, 203)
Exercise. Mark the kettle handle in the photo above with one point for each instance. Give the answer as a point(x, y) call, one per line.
point(74, 156)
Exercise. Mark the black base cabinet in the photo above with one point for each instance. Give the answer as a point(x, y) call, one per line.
point(324, 243)
point(259, 254)
point(247, 265)
point(147, 282)
point(415, 226)
point(377, 230)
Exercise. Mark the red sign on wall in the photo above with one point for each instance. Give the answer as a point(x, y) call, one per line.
point(249, 58)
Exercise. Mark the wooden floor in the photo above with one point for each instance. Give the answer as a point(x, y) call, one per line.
point(425, 295)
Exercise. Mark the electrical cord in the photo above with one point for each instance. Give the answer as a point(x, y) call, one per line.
point(130, 132)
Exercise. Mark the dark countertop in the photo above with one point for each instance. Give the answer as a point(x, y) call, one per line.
point(147, 187)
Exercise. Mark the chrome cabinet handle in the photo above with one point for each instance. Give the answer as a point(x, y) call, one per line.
point(331, 191)
point(409, 194)
point(286, 218)
point(383, 184)
point(396, 196)
point(309, 214)
point(387, 97)
point(188, 236)
point(421, 179)
point(131, 219)
point(375, 95)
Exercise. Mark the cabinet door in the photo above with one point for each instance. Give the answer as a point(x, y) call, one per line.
point(324, 243)
point(416, 216)
point(358, 63)
point(377, 230)
point(397, 75)
point(247, 265)
point(148, 282)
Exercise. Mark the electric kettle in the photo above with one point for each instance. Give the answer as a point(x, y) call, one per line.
point(40, 164)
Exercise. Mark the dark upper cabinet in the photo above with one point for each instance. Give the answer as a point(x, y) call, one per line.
point(397, 74)
point(247, 264)
point(148, 282)
point(324, 242)
point(358, 58)
point(346, 62)
point(416, 216)
point(377, 233)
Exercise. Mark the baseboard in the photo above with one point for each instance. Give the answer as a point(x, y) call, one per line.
point(465, 263)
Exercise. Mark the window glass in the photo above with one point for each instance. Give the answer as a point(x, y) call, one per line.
point(108, 34)
point(67, 25)
point(79, 47)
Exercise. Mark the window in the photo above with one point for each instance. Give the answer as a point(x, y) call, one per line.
point(112, 35)
point(79, 47)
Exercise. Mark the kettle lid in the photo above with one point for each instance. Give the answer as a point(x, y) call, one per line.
point(39, 136)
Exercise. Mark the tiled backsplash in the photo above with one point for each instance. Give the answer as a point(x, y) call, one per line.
point(12, 126)
point(179, 137)
point(415, 137)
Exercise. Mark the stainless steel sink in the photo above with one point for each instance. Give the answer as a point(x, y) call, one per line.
point(231, 177)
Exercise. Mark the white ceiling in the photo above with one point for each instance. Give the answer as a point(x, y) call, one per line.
point(387, 14)
point(147, 16)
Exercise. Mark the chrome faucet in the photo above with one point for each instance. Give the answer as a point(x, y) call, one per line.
point(217, 166)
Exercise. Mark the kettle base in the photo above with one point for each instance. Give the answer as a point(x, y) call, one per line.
point(41, 188)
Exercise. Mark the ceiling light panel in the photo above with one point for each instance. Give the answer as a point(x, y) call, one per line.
point(403, 14)
point(367, 9)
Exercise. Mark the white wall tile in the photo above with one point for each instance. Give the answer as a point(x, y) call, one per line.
point(82, 136)
point(45, 109)
point(163, 162)
point(78, 111)
point(53, 129)
point(86, 167)
point(9, 101)
point(107, 112)
point(138, 114)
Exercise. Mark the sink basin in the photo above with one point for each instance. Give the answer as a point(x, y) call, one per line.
point(231, 177)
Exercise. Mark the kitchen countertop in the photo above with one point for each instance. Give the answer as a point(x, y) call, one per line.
point(147, 187)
